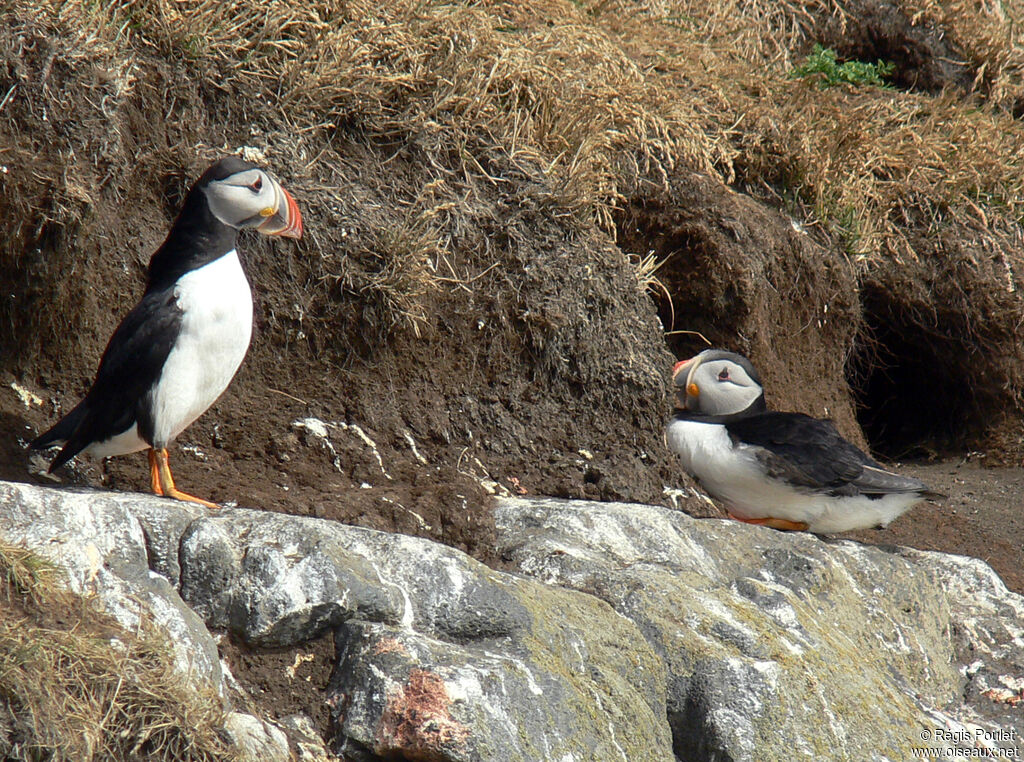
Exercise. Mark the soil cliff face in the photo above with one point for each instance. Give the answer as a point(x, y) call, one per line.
point(516, 216)
point(451, 322)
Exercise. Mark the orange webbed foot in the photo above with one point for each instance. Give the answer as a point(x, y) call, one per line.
point(769, 521)
point(163, 482)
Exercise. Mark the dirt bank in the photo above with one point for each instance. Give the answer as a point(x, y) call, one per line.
point(518, 216)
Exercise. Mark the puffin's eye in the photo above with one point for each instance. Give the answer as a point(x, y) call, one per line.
point(724, 375)
point(255, 187)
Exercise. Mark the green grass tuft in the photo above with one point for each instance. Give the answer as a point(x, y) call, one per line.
point(823, 64)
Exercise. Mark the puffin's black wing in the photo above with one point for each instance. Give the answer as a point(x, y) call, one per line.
point(811, 453)
point(131, 365)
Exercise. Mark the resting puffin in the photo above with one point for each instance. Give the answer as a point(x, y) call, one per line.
point(175, 353)
point(784, 470)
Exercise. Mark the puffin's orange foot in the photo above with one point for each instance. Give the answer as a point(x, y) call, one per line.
point(154, 473)
point(163, 482)
point(784, 524)
point(179, 495)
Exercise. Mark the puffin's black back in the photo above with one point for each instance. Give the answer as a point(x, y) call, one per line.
point(812, 446)
point(810, 452)
point(130, 367)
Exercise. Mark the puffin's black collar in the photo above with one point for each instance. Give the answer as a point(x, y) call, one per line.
point(756, 407)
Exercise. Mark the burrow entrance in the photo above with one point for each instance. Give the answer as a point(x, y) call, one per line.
point(913, 380)
point(915, 390)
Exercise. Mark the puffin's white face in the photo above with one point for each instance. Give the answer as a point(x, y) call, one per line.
point(715, 383)
point(253, 199)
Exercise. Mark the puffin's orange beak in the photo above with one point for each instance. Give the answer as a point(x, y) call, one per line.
point(285, 220)
point(682, 372)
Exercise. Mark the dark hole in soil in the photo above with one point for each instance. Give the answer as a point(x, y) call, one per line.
point(923, 59)
point(914, 69)
point(912, 386)
point(695, 308)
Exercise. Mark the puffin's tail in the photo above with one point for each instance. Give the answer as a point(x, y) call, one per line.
point(63, 433)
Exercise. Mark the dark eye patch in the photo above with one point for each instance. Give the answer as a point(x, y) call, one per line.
point(723, 375)
point(257, 185)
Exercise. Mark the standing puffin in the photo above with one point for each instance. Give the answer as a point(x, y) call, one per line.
point(175, 353)
point(784, 470)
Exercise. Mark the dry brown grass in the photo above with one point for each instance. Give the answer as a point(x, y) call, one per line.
point(493, 98)
point(586, 100)
point(888, 169)
point(484, 88)
point(991, 37)
point(75, 687)
point(401, 275)
point(562, 111)
point(881, 167)
point(986, 34)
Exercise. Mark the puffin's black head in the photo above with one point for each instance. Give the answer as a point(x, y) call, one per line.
point(231, 195)
point(717, 382)
point(241, 195)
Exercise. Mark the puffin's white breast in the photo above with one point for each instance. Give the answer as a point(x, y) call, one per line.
point(732, 473)
point(216, 327)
